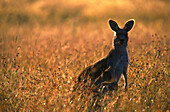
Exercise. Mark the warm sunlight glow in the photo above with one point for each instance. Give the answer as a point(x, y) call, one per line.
point(46, 44)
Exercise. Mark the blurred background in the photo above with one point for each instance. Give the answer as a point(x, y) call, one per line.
point(154, 13)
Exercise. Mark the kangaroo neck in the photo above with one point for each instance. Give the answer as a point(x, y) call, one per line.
point(120, 50)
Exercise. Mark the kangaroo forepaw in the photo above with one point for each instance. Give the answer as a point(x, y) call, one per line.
point(126, 89)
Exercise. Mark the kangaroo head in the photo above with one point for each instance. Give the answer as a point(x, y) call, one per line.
point(121, 38)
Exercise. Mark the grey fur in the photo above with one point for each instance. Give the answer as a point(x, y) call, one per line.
point(107, 71)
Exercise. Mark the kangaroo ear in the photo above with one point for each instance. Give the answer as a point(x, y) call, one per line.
point(113, 25)
point(129, 25)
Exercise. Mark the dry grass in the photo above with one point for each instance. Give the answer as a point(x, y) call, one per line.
point(39, 68)
point(39, 65)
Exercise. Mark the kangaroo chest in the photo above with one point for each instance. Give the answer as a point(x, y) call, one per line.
point(122, 63)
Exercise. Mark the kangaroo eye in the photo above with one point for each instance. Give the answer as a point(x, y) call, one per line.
point(117, 34)
point(125, 35)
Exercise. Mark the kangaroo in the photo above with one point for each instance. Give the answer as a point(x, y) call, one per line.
point(107, 71)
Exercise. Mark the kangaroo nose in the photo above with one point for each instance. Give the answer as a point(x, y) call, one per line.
point(121, 41)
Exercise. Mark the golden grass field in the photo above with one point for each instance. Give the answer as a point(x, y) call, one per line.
point(44, 46)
